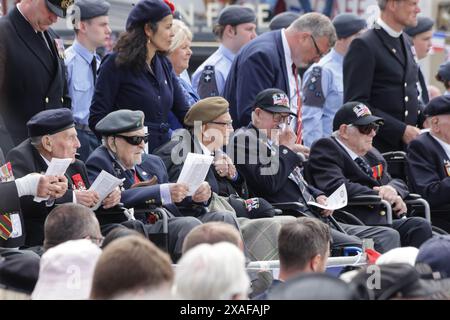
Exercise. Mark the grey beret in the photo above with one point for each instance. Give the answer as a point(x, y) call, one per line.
point(424, 24)
point(347, 24)
point(120, 121)
point(283, 20)
point(92, 8)
point(444, 72)
point(235, 15)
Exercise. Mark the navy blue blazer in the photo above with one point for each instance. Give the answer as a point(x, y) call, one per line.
point(259, 65)
point(329, 166)
point(123, 88)
point(427, 171)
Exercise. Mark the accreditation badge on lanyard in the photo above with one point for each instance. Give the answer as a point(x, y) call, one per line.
point(447, 167)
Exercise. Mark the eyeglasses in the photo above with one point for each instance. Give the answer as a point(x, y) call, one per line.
point(319, 53)
point(367, 129)
point(227, 124)
point(134, 140)
point(96, 240)
point(280, 118)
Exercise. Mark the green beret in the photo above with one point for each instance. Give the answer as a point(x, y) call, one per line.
point(120, 121)
point(206, 110)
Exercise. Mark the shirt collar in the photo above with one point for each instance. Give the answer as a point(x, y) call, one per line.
point(83, 51)
point(443, 144)
point(286, 49)
point(46, 161)
point(388, 29)
point(226, 52)
point(336, 56)
point(205, 149)
point(350, 152)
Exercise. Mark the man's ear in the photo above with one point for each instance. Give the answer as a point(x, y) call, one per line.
point(47, 143)
point(111, 142)
point(343, 131)
point(315, 263)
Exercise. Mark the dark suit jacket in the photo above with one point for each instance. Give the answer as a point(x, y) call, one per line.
point(26, 159)
point(329, 166)
point(265, 170)
point(259, 65)
point(31, 79)
point(428, 175)
point(9, 203)
point(384, 80)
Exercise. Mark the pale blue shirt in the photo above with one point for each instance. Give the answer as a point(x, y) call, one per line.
point(80, 80)
point(222, 60)
point(323, 95)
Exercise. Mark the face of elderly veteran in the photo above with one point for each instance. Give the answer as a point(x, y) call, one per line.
point(61, 145)
point(440, 127)
point(269, 121)
point(216, 133)
point(161, 38)
point(358, 138)
point(37, 14)
point(128, 154)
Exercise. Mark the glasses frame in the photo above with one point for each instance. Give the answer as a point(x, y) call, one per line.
point(367, 128)
point(319, 53)
point(130, 139)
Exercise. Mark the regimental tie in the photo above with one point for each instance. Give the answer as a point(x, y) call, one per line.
point(94, 68)
point(5, 226)
point(364, 166)
point(299, 105)
point(297, 177)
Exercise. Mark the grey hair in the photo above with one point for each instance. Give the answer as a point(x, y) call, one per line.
point(182, 32)
point(318, 24)
point(382, 4)
point(36, 141)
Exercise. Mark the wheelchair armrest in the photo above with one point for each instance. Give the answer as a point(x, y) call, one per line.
point(413, 196)
point(366, 200)
point(293, 206)
point(416, 199)
point(394, 155)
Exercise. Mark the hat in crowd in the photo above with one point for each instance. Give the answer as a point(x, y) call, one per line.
point(66, 271)
point(120, 121)
point(355, 113)
point(148, 11)
point(19, 272)
point(283, 20)
point(59, 7)
point(347, 24)
point(437, 106)
point(436, 253)
point(273, 100)
point(236, 14)
point(399, 255)
point(444, 71)
point(424, 24)
point(92, 8)
point(50, 122)
point(252, 208)
point(206, 110)
point(313, 286)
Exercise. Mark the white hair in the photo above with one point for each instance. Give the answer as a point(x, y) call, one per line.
point(181, 33)
point(212, 272)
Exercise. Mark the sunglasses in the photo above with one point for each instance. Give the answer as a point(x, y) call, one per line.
point(367, 129)
point(134, 140)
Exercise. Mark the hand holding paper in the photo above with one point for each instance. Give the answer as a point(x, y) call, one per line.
point(335, 201)
point(57, 167)
point(194, 171)
point(104, 185)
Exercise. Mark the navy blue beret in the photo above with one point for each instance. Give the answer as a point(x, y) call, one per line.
point(283, 20)
point(444, 71)
point(50, 121)
point(424, 24)
point(236, 14)
point(59, 7)
point(120, 121)
point(92, 8)
point(437, 106)
point(147, 11)
point(19, 272)
point(347, 24)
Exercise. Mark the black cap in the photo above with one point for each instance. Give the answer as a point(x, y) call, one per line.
point(147, 11)
point(356, 113)
point(59, 7)
point(437, 106)
point(120, 121)
point(236, 14)
point(347, 24)
point(424, 24)
point(444, 71)
point(92, 8)
point(283, 20)
point(273, 100)
point(19, 272)
point(50, 122)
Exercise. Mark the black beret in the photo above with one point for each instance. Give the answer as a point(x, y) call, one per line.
point(236, 14)
point(424, 24)
point(283, 20)
point(59, 7)
point(356, 113)
point(437, 106)
point(92, 8)
point(273, 100)
point(147, 11)
point(19, 272)
point(444, 71)
point(347, 24)
point(120, 121)
point(50, 121)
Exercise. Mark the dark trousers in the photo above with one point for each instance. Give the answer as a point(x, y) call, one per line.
point(413, 231)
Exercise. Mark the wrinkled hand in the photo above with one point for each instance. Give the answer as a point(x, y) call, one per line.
point(88, 198)
point(302, 149)
point(323, 200)
point(178, 191)
point(203, 193)
point(53, 186)
point(410, 134)
point(287, 138)
point(112, 199)
point(399, 207)
point(225, 167)
point(387, 193)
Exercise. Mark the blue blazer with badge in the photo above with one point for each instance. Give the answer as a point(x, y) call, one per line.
point(429, 170)
point(259, 65)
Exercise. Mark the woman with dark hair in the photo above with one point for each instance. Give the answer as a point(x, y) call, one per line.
point(138, 76)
